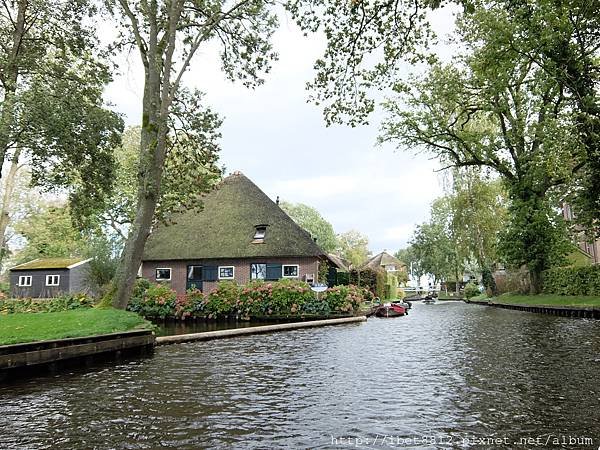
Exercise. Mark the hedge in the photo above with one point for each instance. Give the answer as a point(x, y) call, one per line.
point(572, 280)
point(29, 305)
point(256, 299)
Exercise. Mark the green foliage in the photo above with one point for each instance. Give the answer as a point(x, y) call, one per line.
point(51, 105)
point(366, 41)
point(311, 220)
point(391, 287)
point(373, 280)
point(343, 278)
point(353, 246)
point(410, 257)
point(344, 299)
point(222, 301)
point(256, 299)
point(535, 237)
point(471, 290)
point(156, 301)
point(50, 233)
point(62, 303)
point(487, 279)
point(572, 280)
point(401, 294)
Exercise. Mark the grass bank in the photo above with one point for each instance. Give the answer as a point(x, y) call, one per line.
point(20, 328)
point(548, 300)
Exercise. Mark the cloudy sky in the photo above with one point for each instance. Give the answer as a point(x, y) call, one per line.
point(281, 142)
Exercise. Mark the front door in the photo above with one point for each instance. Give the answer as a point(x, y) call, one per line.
point(194, 277)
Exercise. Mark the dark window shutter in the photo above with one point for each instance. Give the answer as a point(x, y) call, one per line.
point(210, 273)
point(273, 271)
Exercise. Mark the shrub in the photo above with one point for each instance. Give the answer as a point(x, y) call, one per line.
point(401, 294)
point(62, 303)
point(471, 290)
point(222, 301)
point(344, 299)
point(584, 280)
point(157, 301)
point(391, 287)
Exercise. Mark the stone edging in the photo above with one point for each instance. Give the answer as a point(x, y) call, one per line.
point(563, 311)
point(177, 339)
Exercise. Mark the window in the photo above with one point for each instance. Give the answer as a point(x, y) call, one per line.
point(390, 268)
point(226, 272)
point(194, 273)
point(290, 271)
point(163, 274)
point(52, 280)
point(25, 280)
point(259, 234)
point(258, 271)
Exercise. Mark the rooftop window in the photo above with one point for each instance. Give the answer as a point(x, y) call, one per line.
point(259, 234)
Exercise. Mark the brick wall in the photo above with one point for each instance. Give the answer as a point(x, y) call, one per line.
point(242, 269)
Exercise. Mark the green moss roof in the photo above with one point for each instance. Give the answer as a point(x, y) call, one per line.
point(225, 228)
point(48, 263)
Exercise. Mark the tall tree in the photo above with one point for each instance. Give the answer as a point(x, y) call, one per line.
point(311, 220)
point(51, 111)
point(353, 246)
point(479, 214)
point(183, 183)
point(494, 108)
point(408, 256)
point(167, 35)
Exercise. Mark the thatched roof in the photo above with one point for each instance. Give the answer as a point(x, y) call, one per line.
point(339, 262)
point(381, 260)
point(50, 263)
point(225, 228)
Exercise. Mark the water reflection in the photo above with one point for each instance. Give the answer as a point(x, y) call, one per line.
point(447, 371)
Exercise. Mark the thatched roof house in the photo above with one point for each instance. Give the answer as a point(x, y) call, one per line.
point(241, 235)
point(385, 261)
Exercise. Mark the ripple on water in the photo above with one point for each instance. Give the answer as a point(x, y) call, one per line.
point(444, 370)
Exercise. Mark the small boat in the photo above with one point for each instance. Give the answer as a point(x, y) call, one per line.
point(390, 310)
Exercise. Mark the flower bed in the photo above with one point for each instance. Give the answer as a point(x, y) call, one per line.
point(285, 298)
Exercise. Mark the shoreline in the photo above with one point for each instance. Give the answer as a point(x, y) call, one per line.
point(583, 312)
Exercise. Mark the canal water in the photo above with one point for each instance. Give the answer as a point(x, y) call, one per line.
point(448, 375)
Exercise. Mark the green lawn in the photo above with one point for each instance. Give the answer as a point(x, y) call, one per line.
point(30, 327)
point(548, 300)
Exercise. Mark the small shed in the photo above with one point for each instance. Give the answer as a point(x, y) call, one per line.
point(49, 277)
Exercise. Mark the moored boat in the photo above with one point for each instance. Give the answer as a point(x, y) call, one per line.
point(390, 310)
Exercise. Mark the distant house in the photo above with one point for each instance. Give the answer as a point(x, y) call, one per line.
point(240, 235)
point(49, 277)
point(387, 262)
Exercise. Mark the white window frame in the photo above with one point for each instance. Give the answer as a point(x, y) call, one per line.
point(50, 280)
point(232, 277)
point(297, 266)
point(28, 281)
point(163, 268)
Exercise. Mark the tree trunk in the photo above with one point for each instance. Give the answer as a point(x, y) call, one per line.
point(9, 186)
point(9, 81)
point(535, 279)
point(153, 147)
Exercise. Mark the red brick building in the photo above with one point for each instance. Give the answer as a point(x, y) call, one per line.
point(240, 235)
